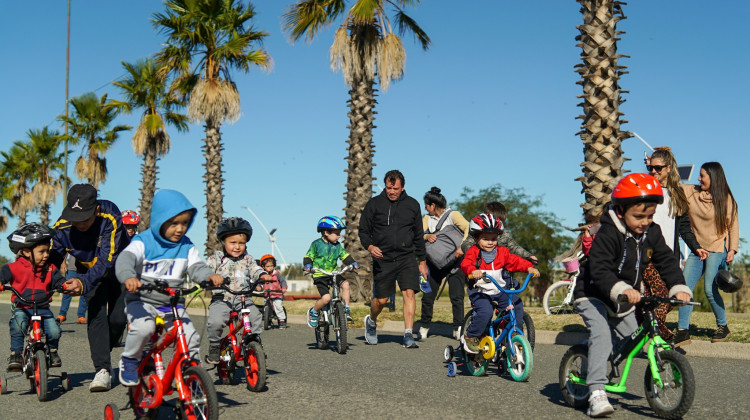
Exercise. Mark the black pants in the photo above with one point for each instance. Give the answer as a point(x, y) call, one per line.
point(106, 306)
point(456, 283)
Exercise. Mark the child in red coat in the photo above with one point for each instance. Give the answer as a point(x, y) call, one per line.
point(485, 257)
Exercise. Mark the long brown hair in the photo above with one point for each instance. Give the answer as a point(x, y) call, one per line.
point(678, 203)
point(720, 195)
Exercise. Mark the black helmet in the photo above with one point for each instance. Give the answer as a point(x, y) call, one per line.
point(28, 236)
point(234, 225)
point(727, 281)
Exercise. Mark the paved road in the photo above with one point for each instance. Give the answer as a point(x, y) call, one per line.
point(384, 381)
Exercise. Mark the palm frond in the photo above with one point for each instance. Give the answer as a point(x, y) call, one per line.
point(404, 24)
point(391, 60)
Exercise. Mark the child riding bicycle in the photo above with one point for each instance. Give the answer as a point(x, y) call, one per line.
point(33, 277)
point(162, 252)
point(324, 252)
point(626, 242)
point(234, 262)
point(277, 282)
point(486, 257)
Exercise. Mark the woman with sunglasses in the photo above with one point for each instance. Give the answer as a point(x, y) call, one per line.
point(713, 217)
point(672, 217)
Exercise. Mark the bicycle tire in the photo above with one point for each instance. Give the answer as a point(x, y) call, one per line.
point(266, 317)
point(111, 412)
point(202, 391)
point(554, 298)
point(3, 383)
point(674, 400)
point(529, 331)
point(255, 366)
point(40, 374)
point(321, 337)
point(574, 361)
point(340, 328)
point(520, 369)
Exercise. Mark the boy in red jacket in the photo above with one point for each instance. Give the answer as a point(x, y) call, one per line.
point(33, 278)
point(486, 257)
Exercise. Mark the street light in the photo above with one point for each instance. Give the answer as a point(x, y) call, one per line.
point(270, 234)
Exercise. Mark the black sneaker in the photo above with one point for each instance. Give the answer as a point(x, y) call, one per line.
point(214, 355)
point(720, 334)
point(54, 359)
point(15, 362)
point(681, 338)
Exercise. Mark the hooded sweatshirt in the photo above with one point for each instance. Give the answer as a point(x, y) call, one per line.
point(617, 260)
point(151, 257)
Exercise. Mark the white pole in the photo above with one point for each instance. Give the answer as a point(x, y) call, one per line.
point(641, 139)
point(270, 237)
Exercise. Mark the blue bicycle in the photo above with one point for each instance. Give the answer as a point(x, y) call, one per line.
point(505, 335)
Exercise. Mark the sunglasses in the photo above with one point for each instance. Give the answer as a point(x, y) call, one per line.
point(656, 168)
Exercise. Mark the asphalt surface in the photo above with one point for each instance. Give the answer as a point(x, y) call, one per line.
point(386, 380)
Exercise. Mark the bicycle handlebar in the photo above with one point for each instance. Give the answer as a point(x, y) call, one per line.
point(622, 299)
point(161, 286)
point(488, 279)
point(47, 297)
point(335, 272)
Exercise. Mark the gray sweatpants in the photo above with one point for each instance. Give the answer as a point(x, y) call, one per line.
point(141, 317)
point(218, 315)
point(602, 330)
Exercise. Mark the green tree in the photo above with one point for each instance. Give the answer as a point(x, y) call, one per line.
point(90, 123)
point(538, 231)
point(16, 171)
point(205, 40)
point(366, 50)
point(144, 87)
point(47, 164)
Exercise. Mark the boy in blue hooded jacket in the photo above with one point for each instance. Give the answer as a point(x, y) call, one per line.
point(162, 252)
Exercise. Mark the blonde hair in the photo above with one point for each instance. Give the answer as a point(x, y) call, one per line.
point(678, 203)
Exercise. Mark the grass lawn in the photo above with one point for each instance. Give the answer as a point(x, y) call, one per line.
point(702, 324)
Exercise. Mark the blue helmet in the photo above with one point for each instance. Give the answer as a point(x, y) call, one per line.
point(330, 222)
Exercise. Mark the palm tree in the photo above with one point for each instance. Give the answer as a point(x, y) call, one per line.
point(205, 39)
point(367, 51)
point(144, 87)
point(90, 122)
point(47, 165)
point(16, 172)
point(600, 129)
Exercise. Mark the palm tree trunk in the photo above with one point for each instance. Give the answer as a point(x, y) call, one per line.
point(214, 184)
point(600, 129)
point(44, 214)
point(359, 174)
point(148, 187)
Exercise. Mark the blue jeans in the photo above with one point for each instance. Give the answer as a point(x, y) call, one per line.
point(19, 323)
point(708, 268)
point(67, 298)
point(483, 311)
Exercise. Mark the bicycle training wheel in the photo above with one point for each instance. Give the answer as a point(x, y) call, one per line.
point(203, 403)
point(341, 326)
point(255, 366)
point(673, 400)
point(574, 362)
point(40, 374)
point(521, 363)
point(554, 299)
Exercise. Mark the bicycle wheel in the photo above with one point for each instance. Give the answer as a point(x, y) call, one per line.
point(475, 363)
point(40, 374)
point(267, 317)
point(255, 366)
point(527, 326)
point(522, 364)
point(203, 403)
point(574, 362)
point(673, 400)
point(226, 369)
point(341, 342)
point(149, 392)
point(321, 337)
point(111, 412)
point(554, 299)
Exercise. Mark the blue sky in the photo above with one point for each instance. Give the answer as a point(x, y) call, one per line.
point(492, 101)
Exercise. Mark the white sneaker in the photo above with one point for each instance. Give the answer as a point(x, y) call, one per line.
point(423, 333)
point(102, 381)
point(599, 405)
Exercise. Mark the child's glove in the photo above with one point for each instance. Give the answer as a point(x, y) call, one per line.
point(307, 267)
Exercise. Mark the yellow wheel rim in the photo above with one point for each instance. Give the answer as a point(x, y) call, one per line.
point(487, 347)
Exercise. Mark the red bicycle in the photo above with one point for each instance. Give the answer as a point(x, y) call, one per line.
point(248, 349)
point(36, 361)
point(197, 398)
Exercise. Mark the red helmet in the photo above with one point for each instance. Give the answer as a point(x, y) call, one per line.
point(267, 257)
point(130, 217)
point(637, 188)
point(485, 223)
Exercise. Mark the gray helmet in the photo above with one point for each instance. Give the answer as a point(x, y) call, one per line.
point(234, 225)
point(727, 281)
point(29, 236)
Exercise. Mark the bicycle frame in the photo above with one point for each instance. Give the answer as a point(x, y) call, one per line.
point(239, 322)
point(335, 296)
point(511, 326)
